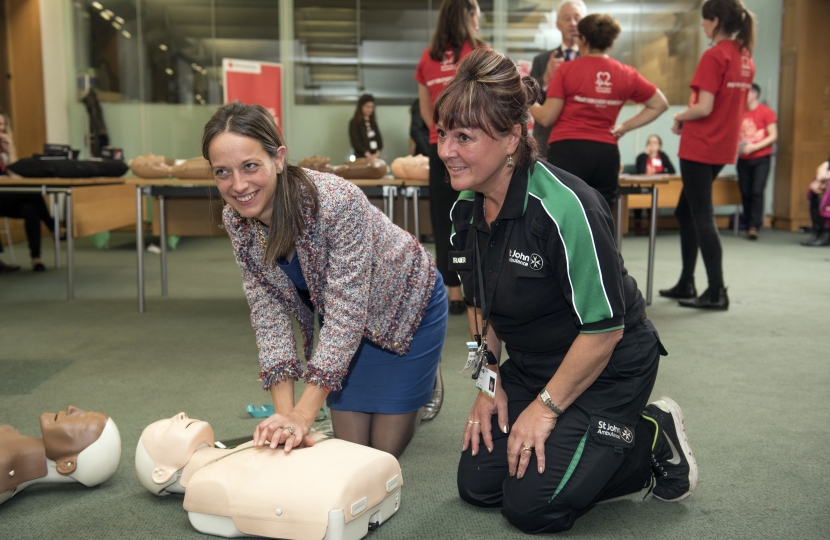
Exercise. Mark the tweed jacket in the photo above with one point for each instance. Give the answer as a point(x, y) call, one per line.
point(365, 275)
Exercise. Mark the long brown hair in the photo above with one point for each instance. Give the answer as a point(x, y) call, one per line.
point(488, 93)
point(255, 122)
point(733, 18)
point(453, 29)
point(363, 100)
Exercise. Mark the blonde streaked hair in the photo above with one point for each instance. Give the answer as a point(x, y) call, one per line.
point(488, 93)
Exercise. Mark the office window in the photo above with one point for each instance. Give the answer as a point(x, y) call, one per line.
point(661, 38)
point(169, 51)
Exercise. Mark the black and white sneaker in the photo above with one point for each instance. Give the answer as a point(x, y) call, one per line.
point(672, 461)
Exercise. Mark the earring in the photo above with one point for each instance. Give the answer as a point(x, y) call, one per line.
point(510, 160)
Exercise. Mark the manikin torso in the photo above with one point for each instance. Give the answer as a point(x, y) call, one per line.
point(309, 493)
point(76, 446)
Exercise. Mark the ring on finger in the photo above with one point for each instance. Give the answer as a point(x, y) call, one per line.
point(289, 429)
point(476, 422)
point(526, 448)
point(470, 422)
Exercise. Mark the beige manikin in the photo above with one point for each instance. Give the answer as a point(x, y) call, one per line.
point(332, 490)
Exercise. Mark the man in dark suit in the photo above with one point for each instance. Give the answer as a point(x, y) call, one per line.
point(545, 63)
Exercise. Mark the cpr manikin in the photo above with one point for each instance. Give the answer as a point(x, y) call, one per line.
point(77, 446)
point(333, 490)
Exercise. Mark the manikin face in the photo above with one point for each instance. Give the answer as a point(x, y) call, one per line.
point(653, 146)
point(245, 174)
point(172, 441)
point(709, 27)
point(67, 433)
point(566, 21)
point(474, 160)
point(368, 108)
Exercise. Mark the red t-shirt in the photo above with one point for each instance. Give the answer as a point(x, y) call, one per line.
point(754, 129)
point(435, 76)
point(726, 70)
point(594, 89)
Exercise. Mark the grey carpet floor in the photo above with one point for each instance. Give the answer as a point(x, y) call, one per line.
point(752, 383)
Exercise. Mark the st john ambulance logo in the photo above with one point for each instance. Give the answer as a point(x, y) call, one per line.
point(536, 262)
point(626, 435)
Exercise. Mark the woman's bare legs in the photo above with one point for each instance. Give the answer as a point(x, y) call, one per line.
point(387, 432)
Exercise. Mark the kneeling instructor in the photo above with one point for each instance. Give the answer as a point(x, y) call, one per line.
point(568, 425)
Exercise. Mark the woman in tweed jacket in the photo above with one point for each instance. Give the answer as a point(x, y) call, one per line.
point(308, 241)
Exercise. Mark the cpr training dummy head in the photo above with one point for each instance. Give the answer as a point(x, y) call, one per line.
point(333, 489)
point(77, 446)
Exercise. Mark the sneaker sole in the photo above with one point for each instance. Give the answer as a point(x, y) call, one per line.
point(680, 429)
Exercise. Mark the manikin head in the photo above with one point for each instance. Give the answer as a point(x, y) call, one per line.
point(85, 446)
point(164, 449)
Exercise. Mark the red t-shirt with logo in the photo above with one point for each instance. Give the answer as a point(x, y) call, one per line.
point(435, 76)
point(754, 130)
point(726, 70)
point(594, 89)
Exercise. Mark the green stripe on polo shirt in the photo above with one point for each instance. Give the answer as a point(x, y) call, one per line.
point(565, 209)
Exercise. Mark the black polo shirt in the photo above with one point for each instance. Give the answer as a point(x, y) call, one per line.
point(549, 262)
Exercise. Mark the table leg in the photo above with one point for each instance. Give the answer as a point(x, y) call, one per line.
point(163, 241)
point(70, 249)
point(619, 222)
point(56, 221)
point(652, 237)
point(405, 192)
point(737, 220)
point(139, 246)
point(393, 191)
point(416, 192)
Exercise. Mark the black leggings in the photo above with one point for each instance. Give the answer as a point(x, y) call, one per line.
point(695, 213)
point(595, 163)
point(752, 178)
point(441, 198)
point(31, 208)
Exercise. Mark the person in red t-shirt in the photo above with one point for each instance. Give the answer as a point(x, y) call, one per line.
point(758, 131)
point(584, 98)
point(709, 130)
point(455, 37)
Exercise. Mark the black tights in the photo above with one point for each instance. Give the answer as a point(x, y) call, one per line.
point(388, 432)
point(695, 213)
point(752, 177)
point(31, 208)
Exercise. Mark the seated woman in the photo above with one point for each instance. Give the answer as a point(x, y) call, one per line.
point(27, 206)
point(654, 160)
point(307, 241)
point(569, 424)
point(816, 194)
point(363, 129)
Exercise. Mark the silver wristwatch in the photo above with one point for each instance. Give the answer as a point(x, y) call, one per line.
point(545, 397)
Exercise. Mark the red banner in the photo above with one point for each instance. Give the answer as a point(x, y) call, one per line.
point(254, 83)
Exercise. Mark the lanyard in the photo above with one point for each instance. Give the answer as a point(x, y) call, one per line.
point(479, 287)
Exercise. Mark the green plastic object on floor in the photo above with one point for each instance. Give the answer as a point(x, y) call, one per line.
point(267, 410)
point(100, 240)
point(173, 241)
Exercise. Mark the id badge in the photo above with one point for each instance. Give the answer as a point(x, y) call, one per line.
point(487, 382)
point(472, 356)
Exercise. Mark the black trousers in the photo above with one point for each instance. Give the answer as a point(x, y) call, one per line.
point(582, 466)
point(32, 209)
point(441, 198)
point(819, 221)
point(695, 213)
point(752, 178)
point(596, 163)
